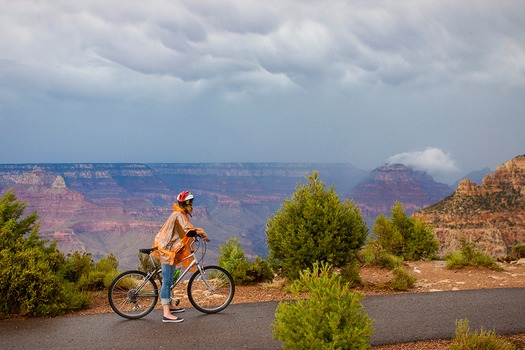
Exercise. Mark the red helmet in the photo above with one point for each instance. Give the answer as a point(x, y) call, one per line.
point(185, 197)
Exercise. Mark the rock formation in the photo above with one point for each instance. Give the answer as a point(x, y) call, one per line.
point(396, 182)
point(492, 214)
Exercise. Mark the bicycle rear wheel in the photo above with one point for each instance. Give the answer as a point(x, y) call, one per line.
point(132, 295)
point(212, 291)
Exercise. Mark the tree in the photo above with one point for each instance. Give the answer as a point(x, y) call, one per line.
point(32, 271)
point(15, 231)
point(405, 236)
point(314, 226)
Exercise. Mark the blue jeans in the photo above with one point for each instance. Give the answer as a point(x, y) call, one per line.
point(167, 280)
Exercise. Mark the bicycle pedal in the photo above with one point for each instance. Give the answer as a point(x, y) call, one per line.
point(176, 301)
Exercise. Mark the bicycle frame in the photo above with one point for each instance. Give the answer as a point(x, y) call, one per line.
point(195, 262)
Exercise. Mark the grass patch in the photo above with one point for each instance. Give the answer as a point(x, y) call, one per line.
point(477, 340)
point(470, 255)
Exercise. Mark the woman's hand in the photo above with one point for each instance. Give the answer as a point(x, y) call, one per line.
point(202, 233)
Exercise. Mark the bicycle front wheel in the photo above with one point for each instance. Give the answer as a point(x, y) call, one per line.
point(211, 291)
point(132, 295)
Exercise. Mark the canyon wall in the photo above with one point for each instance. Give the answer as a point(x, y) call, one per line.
point(491, 214)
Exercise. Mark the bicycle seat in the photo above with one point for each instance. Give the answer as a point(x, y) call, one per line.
point(147, 250)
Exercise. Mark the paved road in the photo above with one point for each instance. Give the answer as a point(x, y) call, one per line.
point(398, 318)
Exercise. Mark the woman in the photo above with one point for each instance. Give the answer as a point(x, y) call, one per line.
point(173, 246)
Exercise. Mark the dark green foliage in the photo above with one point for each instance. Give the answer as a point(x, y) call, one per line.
point(314, 225)
point(77, 264)
point(100, 275)
point(405, 236)
point(29, 285)
point(242, 270)
point(36, 278)
point(350, 274)
point(331, 317)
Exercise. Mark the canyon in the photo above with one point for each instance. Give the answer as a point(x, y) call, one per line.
point(117, 208)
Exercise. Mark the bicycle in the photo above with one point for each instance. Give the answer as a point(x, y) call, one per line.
point(133, 294)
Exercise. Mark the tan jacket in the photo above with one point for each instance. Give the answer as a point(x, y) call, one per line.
point(171, 240)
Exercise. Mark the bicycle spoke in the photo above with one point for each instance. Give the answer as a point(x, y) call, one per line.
point(211, 291)
point(131, 295)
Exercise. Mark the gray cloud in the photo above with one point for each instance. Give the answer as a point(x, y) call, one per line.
point(353, 81)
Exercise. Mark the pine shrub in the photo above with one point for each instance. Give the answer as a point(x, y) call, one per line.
point(331, 317)
point(314, 225)
point(405, 236)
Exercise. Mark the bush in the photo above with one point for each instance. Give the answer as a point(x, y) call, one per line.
point(469, 255)
point(402, 280)
point(30, 283)
point(350, 274)
point(404, 236)
point(331, 317)
point(465, 340)
point(375, 255)
point(242, 270)
point(37, 279)
point(314, 225)
point(100, 275)
point(76, 265)
point(518, 251)
point(29, 286)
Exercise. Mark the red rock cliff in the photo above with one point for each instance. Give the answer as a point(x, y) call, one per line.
point(491, 214)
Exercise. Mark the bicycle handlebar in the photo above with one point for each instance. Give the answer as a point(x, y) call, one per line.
point(193, 233)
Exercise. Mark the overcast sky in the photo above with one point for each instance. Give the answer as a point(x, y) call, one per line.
point(436, 84)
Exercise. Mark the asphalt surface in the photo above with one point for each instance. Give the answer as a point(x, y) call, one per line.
point(397, 318)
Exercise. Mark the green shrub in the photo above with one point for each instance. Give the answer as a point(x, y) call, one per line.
point(470, 255)
point(146, 264)
point(242, 270)
point(260, 270)
point(374, 254)
point(37, 279)
point(29, 286)
point(518, 251)
point(402, 279)
point(465, 340)
point(74, 299)
point(76, 265)
point(100, 275)
point(30, 282)
point(107, 264)
point(314, 225)
point(405, 236)
point(331, 317)
point(350, 274)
